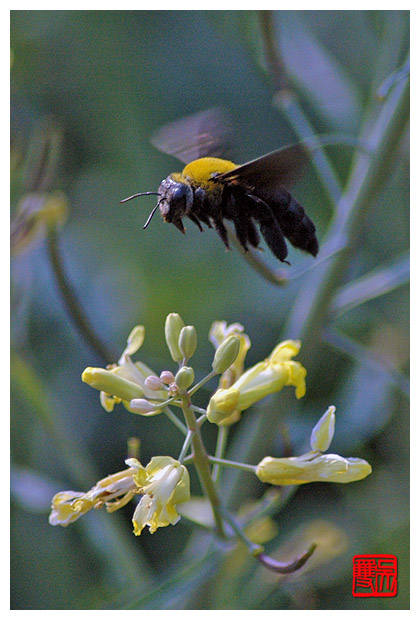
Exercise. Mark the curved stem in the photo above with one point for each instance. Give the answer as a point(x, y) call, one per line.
point(71, 302)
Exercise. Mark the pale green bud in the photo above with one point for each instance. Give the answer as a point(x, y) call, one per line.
point(222, 404)
point(323, 431)
point(187, 341)
point(184, 378)
point(173, 326)
point(312, 467)
point(226, 354)
point(111, 383)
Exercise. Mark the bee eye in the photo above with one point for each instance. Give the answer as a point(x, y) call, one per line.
point(179, 193)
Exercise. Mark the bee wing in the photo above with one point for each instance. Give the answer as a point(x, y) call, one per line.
point(206, 134)
point(271, 171)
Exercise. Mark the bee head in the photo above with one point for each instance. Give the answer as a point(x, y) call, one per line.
point(175, 199)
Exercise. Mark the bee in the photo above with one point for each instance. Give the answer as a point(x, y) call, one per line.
point(210, 190)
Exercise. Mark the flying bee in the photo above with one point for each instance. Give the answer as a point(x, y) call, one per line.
point(210, 190)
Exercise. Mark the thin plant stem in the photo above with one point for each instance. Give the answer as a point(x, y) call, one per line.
point(198, 409)
point(201, 461)
point(186, 446)
point(222, 437)
point(173, 418)
point(71, 301)
point(234, 464)
point(200, 384)
point(286, 100)
point(253, 548)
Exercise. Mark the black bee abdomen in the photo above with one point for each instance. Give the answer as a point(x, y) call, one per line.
point(297, 227)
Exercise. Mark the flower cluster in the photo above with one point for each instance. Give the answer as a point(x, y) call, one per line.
point(164, 482)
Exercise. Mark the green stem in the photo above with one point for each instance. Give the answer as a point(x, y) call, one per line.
point(172, 417)
point(186, 446)
point(233, 464)
point(198, 409)
point(253, 548)
point(222, 436)
point(201, 461)
point(71, 302)
point(370, 174)
point(286, 100)
point(200, 384)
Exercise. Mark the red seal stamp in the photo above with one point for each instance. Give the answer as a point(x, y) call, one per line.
point(375, 575)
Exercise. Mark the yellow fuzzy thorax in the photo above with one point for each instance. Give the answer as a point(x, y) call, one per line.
point(199, 171)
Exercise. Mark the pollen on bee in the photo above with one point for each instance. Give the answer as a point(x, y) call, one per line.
point(201, 170)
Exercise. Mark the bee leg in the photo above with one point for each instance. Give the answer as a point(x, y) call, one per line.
point(195, 220)
point(234, 208)
point(241, 230)
point(253, 236)
point(221, 231)
point(179, 225)
point(200, 210)
point(269, 227)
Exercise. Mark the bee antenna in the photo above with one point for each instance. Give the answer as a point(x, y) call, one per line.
point(141, 194)
point(150, 216)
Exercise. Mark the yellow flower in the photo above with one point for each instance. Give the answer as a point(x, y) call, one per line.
point(126, 380)
point(312, 467)
point(114, 491)
point(164, 482)
point(265, 378)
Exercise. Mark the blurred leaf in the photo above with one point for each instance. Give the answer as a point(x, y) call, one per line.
point(373, 284)
point(368, 358)
point(364, 406)
point(175, 592)
point(318, 74)
point(392, 79)
point(32, 490)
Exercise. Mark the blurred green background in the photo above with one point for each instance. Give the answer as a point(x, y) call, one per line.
point(105, 81)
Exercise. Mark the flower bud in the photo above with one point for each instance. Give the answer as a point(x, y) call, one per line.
point(134, 342)
point(184, 377)
point(312, 467)
point(167, 377)
point(187, 341)
point(226, 354)
point(111, 383)
point(323, 431)
point(153, 383)
point(173, 326)
point(222, 404)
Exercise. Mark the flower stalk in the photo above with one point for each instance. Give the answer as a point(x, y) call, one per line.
point(201, 461)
